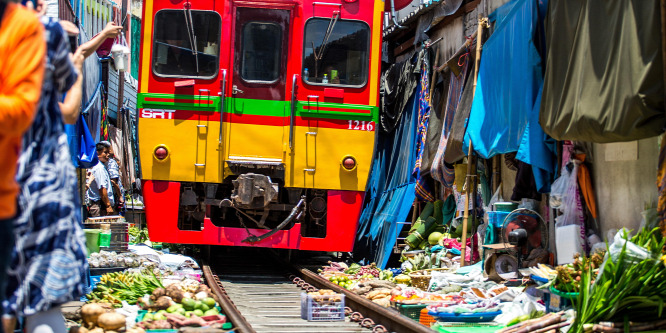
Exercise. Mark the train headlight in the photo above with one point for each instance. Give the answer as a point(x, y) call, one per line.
point(161, 153)
point(348, 163)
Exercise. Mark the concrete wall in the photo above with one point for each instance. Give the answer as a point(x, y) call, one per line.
point(624, 177)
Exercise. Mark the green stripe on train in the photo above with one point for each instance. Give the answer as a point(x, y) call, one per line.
point(258, 107)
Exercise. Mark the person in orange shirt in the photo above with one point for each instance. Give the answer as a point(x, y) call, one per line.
point(22, 62)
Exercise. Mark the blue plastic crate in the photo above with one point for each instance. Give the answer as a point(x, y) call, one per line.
point(323, 307)
point(475, 317)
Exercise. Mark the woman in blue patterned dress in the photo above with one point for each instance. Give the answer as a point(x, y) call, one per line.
point(49, 259)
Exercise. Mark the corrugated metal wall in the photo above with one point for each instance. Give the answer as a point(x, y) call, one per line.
point(129, 93)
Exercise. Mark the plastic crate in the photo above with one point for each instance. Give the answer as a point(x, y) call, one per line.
point(413, 311)
point(323, 307)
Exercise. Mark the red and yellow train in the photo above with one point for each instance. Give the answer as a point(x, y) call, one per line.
point(257, 120)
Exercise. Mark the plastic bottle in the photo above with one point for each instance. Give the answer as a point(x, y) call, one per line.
point(325, 79)
point(306, 75)
point(105, 235)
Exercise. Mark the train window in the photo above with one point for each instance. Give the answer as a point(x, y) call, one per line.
point(261, 49)
point(186, 47)
point(336, 52)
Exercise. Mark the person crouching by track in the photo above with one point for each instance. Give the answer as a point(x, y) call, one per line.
point(100, 193)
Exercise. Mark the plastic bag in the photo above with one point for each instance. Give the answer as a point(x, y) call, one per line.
point(571, 206)
point(559, 188)
point(120, 50)
point(634, 252)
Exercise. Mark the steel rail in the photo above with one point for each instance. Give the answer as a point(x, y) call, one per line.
point(393, 321)
point(233, 314)
point(390, 319)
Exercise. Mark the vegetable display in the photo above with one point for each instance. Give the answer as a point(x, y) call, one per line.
point(569, 276)
point(631, 285)
point(113, 288)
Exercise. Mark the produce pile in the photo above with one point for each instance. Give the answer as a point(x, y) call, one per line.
point(569, 276)
point(100, 318)
point(157, 301)
point(106, 259)
point(186, 303)
point(114, 288)
point(368, 281)
point(630, 285)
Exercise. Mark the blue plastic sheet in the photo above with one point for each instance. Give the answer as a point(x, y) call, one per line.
point(390, 189)
point(505, 112)
point(510, 76)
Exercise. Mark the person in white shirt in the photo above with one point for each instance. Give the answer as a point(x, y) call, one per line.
point(100, 192)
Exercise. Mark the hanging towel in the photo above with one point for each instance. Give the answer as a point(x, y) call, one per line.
point(440, 170)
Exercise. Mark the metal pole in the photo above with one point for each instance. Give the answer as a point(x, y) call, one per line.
point(470, 158)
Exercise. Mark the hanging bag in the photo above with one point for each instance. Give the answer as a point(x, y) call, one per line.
point(87, 154)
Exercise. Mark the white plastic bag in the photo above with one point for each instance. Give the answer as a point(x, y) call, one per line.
point(571, 206)
point(559, 188)
point(120, 50)
point(634, 252)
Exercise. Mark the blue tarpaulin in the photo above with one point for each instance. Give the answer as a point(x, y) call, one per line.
point(390, 189)
point(510, 76)
point(505, 111)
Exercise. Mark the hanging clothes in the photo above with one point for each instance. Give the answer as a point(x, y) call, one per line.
point(397, 86)
point(424, 188)
point(585, 183)
point(424, 108)
point(440, 170)
point(437, 113)
point(661, 186)
point(510, 76)
point(604, 74)
point(104, 123)
point(453, 152)
point(390, 190)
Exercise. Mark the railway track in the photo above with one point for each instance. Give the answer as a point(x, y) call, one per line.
point(263, 294)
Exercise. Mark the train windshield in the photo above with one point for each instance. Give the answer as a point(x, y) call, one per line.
point(182, 50)
point(336, 54)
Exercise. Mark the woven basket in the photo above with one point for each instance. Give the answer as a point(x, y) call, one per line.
point(422, 279)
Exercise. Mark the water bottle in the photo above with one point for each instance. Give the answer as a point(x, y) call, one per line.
point(325, 79)
point(306, 75)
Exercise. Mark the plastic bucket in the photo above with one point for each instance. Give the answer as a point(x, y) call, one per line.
point(505, 206)
point(92, 240)
point(497, 218)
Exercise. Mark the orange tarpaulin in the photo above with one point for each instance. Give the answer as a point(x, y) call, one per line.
point(585, 184)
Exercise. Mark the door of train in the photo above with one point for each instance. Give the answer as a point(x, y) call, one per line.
point(258, 105)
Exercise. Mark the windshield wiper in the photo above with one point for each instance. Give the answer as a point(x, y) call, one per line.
point(190, 33)
point(324, 42)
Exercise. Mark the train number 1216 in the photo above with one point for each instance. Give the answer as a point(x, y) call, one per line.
point(361, 125)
